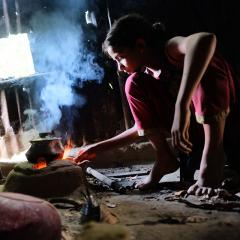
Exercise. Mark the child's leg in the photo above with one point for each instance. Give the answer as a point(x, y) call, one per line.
point(166, 162)
point(212, 162)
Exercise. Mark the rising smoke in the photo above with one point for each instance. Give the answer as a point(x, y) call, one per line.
point(57, 43)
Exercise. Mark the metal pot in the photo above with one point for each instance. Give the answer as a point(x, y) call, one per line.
point(48, 148)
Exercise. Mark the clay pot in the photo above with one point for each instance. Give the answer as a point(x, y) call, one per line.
point(48, 148)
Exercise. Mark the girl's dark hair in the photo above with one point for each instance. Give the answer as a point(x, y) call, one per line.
point(127, 29)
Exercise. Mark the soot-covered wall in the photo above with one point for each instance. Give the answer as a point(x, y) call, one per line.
point(180, 17)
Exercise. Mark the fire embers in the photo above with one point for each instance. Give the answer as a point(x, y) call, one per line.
point(40, 164)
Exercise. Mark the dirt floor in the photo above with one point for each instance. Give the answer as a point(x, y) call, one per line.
point(164, 213)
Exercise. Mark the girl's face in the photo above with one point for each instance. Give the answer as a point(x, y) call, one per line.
point(128, 60)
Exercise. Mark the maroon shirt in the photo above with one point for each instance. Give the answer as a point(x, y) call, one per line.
point(152, 100)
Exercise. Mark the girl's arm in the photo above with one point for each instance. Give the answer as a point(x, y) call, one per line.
point(195, 53)
point(90, 151)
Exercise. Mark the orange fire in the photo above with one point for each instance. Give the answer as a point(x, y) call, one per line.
point(64, 155)
point(40, 164)
point(67, 149)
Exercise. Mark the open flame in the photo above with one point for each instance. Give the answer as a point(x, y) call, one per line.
point(42, 163)
point(67, 149)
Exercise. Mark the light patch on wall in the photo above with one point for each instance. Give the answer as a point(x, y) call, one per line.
point(16, 57)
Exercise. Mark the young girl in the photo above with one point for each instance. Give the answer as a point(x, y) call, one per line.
point(168, 80)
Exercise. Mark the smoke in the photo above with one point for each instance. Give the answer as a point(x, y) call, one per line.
point(58, 48)
point(71, 7)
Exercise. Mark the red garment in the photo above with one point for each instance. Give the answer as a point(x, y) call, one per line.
point(152, 100)
point(150, 104)
point(216, 92)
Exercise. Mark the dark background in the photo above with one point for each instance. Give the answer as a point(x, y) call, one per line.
point(102, 116)
point(181, 17)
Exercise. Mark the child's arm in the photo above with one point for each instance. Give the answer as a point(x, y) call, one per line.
point(89, 152)
point(196, 52)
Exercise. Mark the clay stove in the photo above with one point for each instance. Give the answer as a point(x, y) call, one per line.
point(45, 174)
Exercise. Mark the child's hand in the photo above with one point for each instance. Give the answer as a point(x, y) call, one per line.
point(86, 153)
point(84, 164)
point(179, 131)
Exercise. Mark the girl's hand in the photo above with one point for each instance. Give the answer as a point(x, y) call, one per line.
point(84, 164)
point(179, 131)
point(86, 153)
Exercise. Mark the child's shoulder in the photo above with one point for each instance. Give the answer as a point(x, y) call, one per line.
point(138, 79)
point(139, 76)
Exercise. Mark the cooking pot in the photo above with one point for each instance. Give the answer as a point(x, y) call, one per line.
point(45, 147)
